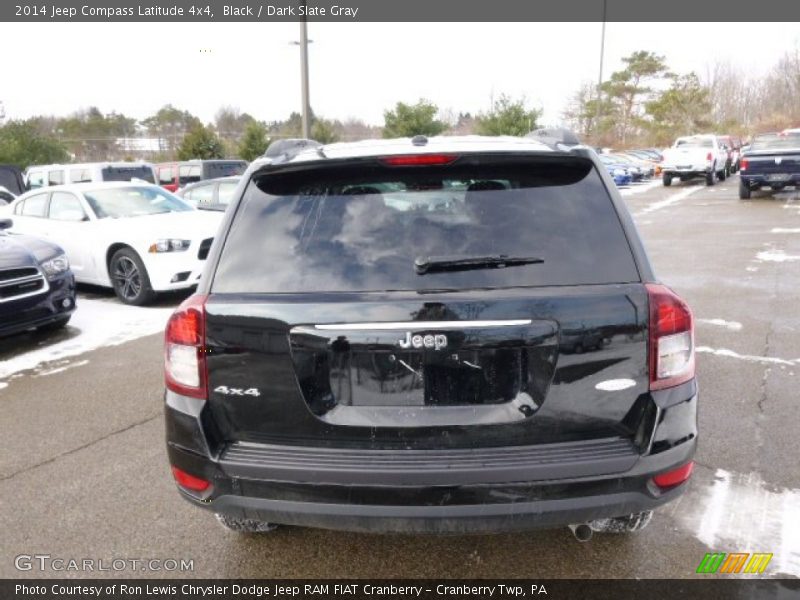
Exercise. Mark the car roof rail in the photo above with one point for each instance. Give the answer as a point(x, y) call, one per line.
point(557, 138)
point(284, 150)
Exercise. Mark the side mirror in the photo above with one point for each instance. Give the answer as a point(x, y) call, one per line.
point(6, 224)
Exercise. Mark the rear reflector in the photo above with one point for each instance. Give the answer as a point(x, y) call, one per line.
point(418, 160)
point(184, 349)
point(674, 477)
point(671, 345)
point(190, 482)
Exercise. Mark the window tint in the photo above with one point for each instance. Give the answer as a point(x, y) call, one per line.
point(215, 169)
point(189, 174)
point(695, 143)
point(165, 176)
point(55, 177)
point(80, 175)
point(34, 206)
point(35, 180)
point(142, 172)
point(346, 229)
point(66, 207)
point(225, 193)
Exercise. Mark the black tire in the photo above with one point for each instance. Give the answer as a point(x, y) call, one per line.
point(722, 175)
point(238, 525)
point(129, 278)
point(710, 177)
point(744, 190)
point(55, 325)
point(666, 180)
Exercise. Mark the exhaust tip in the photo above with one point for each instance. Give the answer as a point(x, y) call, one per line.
point(582, 532)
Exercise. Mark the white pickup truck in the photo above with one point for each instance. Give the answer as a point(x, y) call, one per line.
point(695, 156)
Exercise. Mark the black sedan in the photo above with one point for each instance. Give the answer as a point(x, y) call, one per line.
point(37, 288)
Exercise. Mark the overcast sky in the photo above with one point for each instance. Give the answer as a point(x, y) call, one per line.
point(357, 70)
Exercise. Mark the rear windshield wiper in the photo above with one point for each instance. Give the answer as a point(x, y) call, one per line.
point(435, 264)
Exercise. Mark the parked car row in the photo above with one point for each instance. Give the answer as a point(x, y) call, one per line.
point(171, 175)
point(629, 166)
point(135, 238)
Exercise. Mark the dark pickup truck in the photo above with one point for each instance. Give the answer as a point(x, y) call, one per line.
point(773, 161)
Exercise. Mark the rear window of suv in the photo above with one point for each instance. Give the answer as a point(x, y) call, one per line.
point(360, 226)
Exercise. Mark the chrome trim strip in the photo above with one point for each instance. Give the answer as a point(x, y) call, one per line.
point(422, 325)
point(18, 280)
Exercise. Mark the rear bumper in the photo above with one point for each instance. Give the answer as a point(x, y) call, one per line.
point(461, 518)
point(443, 491)
point(761, 179)
point(690, 171)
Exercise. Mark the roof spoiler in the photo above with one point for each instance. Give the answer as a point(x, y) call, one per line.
point(557, 138)
point(283, 150)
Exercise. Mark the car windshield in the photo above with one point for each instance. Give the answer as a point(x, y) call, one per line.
point(694, 143)
point(133, 201)
point(350, 228)
point(776, 142)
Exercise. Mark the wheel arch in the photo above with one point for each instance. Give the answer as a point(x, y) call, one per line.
point(110, 251)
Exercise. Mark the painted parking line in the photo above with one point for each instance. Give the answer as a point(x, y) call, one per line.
point(672, 200)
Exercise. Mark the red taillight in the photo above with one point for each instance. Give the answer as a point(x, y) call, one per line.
point(184, 349)
point(709, 157)
point(674, 477)
point(743, 164)
point(671, 338)
point(418, 160)
point(190, 482)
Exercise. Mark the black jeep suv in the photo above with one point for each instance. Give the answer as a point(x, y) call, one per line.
point(37, 288)
point(431, 335)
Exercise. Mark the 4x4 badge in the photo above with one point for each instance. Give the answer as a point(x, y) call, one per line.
point(437, 342)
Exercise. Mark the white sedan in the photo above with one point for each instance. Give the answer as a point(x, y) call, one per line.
point(133, 237)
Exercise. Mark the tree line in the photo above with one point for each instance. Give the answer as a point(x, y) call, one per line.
point(89, 135)
point(646, 103)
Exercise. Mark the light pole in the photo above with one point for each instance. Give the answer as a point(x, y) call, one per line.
point(600, 75)
point(303, 43)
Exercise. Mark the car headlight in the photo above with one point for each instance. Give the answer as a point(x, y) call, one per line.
point(55, 266)
point(171, 245)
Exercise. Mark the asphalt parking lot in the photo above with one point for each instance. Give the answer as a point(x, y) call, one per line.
point(83, 473)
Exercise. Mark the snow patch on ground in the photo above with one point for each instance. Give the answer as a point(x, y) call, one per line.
point(100, 323)
point(740, 513)
point(776, 256)
point(785, 230)
point(61, 367)
point(729, 325)
point(638, 188)
point(746, 357)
